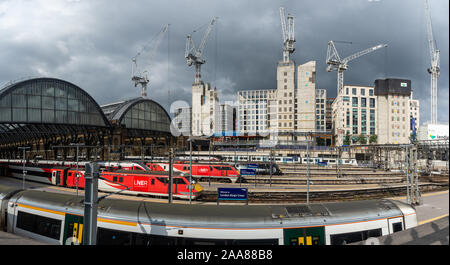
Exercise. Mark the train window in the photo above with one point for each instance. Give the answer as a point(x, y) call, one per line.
point(222, 168)
point(115, 179)
point(153, 181)
point(120, 179)
point(163, 180)
point(179, 181)
point(346, 238)
point(396, 227)
point(44, 226)
point(113, 237)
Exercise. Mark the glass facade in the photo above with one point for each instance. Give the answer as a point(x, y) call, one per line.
point(49, 101)
point(146, 115)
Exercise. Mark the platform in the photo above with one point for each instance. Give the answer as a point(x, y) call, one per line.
point(432, 233)
point(12, 239)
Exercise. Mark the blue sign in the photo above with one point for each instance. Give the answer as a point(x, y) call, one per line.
point(252, 165)
point(248, 172)
point(322, 163)
point(232, 193)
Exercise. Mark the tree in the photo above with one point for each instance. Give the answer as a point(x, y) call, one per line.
point(347, 139)
point(373, 139)
point(362, 139)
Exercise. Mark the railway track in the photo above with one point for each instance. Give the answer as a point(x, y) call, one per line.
point(323, 180)
point(337, 195)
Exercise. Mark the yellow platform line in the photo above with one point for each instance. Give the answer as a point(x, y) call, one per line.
point(432, 219)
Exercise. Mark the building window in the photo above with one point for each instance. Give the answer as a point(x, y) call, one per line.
point(354, 91)
point(370, 92)
point(355, 102)
point(363, 92)
point(363, 102)
point(372, 103)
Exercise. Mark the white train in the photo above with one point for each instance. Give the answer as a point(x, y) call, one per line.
point(291, 159)
point(56, 218)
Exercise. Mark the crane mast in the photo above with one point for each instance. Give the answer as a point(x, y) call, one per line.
point(194, 56)
point(288, 35)
point(336, 63)
point(434, 70)
point(141, 78)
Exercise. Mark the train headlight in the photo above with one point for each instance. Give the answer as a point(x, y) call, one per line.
point(198, 187)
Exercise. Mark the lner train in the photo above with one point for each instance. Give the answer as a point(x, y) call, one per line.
point(57, 218)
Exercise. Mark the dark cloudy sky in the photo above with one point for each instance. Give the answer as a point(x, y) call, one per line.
point(91, 43)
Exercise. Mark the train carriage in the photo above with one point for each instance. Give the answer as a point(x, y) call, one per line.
point(200, 171)
point(57, 218)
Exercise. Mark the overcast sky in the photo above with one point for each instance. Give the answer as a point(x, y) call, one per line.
point(91, 42)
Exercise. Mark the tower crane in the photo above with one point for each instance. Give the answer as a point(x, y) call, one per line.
point(194, 56)
point(434, 70)
point(336, 63)
point(138, 77)
point(288, 35)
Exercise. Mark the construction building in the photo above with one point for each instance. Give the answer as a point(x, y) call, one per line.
point(354, 113)
point(393, 97)
point(182, 120)
point(205, 110)
point(321, 110)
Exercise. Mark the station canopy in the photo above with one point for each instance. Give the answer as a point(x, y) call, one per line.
point(50, 108)
point(138, 114)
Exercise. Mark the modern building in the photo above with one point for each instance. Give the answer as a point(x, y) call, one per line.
point(182, 120)
point(226, 122)
point(329, 114)
point(321, 110)
point(414, 111)
point(393, 110)
point(354, 114)
point(284, 111)
point(205, 110)
point(254, 111)
point(306, 98)
point(285, 96)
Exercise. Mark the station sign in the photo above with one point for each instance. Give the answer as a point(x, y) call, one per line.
point(248, 172)
point(252, 166)
point(232, 194)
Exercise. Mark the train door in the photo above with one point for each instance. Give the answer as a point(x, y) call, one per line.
point(395, 224)
point(304, 236)
point(56, 176)
point(73, 230)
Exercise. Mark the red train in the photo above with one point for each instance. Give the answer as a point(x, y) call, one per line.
point(138, 182)
point(130, 174)
point(200, 171)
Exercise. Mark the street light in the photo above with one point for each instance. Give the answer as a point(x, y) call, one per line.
point(78, 147)
point(190, 169)
point(23, 168)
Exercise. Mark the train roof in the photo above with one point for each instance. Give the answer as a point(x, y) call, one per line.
point(222, 216)
point(6, 191)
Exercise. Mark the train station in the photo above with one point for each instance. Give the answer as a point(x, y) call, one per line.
point(289, 158)
point(47, 115)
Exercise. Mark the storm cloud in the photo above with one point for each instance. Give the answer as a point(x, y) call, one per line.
point(91, 42)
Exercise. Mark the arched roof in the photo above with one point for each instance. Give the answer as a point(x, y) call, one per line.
point(49, 101)
point(139, 113)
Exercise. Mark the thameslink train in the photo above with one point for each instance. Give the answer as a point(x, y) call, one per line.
point(292, 159)
point(57, 218)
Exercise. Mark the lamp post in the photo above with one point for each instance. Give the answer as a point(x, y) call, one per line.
point(190, 169)
point(78, 147)
point(23, 168)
